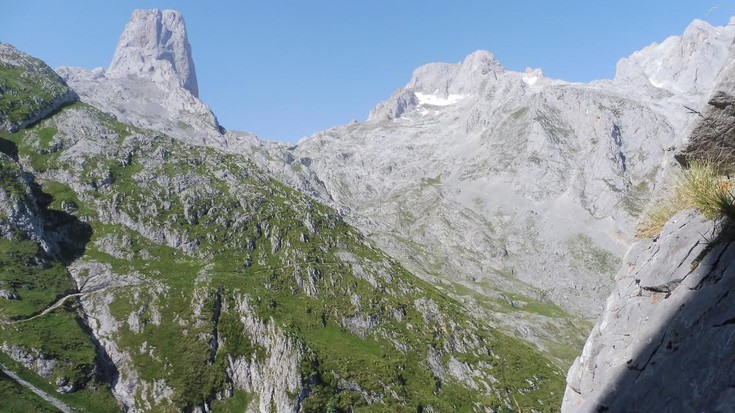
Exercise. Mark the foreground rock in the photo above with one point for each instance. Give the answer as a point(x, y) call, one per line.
point(664, 342)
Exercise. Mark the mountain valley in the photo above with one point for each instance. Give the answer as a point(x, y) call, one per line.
point(450, 253)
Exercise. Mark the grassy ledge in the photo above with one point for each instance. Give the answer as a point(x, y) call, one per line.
point(703, 186)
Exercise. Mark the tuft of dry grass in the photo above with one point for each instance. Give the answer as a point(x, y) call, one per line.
point(702, 186)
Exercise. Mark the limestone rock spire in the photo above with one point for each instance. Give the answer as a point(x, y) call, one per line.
point(154, 45)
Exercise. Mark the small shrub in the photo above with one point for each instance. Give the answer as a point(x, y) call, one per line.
point(702, 186)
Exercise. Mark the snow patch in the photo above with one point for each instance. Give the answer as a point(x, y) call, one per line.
point(530, 80)
point(434, 100)
point(655, 83)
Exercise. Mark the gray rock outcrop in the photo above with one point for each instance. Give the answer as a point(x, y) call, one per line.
point(685, 64)
point(713, 137)
point(664, 342)
point(20, 216)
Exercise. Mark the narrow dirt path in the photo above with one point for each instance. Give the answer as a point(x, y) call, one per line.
point(48, 309)
point(42, 394)
point(56, 304)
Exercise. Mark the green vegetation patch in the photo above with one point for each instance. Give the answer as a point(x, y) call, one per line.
point(518, 302)
point(45, 136)
point(41, 159)
point(238, 403)
point(71, 348)
point(635, 199)
point(704, 186)
point(589, 256)
point(24, 92)
point(94, 398)
point(33, 280)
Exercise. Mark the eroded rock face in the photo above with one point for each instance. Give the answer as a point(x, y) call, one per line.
point(680, 64)
point(664, 342)
point(19, 215)
point(154, 45)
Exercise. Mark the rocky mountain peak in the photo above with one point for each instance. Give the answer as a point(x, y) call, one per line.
point(448, 78)
point(440, 84)
point(154, 45)
point(685, 64)
point(480, 59)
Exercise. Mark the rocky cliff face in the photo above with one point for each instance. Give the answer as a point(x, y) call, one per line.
point(151, 81)
point(663, 341)
point(154, 45)
point(680, 65)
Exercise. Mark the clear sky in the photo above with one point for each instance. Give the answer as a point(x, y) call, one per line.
point(286, 69)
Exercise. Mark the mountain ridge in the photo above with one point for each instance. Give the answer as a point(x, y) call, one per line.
point(471, 190)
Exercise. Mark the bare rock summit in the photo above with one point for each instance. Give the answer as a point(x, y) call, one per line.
point(154, 44)
point(151, 81)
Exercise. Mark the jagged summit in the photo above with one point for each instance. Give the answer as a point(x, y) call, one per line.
point(447, 78)
point(440, 84)
point(154, 45)
point(686, 64)
point(151, 82)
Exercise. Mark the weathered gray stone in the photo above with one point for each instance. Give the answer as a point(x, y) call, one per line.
point(712, 138)
point(155, 45)
point(664, 342)
point(151, 81)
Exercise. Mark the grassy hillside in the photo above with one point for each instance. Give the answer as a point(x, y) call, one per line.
point(140, 272)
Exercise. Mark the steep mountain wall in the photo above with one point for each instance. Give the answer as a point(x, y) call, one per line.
point(664, 341)
point(151, 81)
point(154, 44)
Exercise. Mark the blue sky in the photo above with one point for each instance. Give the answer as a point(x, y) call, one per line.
point(286, 69)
